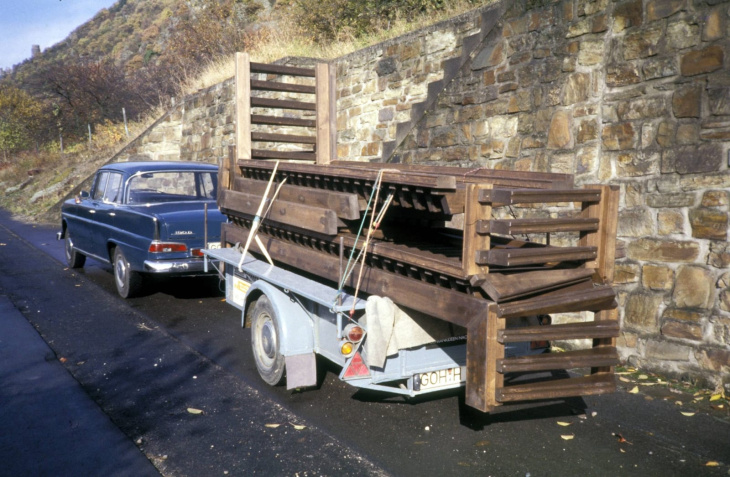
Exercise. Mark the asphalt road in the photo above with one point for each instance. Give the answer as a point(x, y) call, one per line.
point(145, 361)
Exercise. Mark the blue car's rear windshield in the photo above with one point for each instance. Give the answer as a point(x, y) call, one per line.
point(171, 186)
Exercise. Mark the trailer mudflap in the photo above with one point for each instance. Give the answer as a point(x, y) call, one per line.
point(301, 370)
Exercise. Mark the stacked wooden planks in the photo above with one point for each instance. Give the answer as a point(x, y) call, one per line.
point(476, 276)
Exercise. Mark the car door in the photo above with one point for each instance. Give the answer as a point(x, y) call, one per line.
point(81, 219)
point(106, 204)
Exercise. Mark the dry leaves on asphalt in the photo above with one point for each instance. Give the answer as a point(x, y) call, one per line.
point(192, 410)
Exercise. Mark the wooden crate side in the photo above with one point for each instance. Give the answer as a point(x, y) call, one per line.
point(475, 242)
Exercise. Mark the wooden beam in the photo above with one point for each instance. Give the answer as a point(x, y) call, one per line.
point(473, 241)
point(281, 70)
point(281, 87)
point(315, 219)
point(514, 257)
point(568, 300)
point(326, 113)
point(503, 287)
point(533, 196)
point(604, 239)
point(532, 226)
point(243, 106)
point(282, 121)
point(287, 138)
point(282, 104)
point(344, 204)
point(482, 352)
point(273, 154)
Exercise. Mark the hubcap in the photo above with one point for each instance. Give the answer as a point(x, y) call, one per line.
point(121, 271)
point(268, 339)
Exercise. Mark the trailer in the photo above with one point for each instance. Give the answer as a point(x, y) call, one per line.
point(412, 278)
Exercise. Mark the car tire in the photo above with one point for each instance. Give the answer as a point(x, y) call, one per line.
point(265, 342)
point(74, 258)
point(128, 282)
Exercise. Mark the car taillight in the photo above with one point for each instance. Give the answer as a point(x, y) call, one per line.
point(354, 333)
point(196, 252)
point(167, 247)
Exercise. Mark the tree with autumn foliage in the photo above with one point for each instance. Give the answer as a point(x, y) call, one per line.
point(21, 117)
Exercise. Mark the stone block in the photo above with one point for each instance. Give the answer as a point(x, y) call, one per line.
point(665, 134)
point(591, 52)
point(490, 56)
point(682, 34)
point(622, 74)
point(642, 310)
point(559, 134)
point(688, 134)
point(587, 131)
point(654, 68)
point(587, 159)
point(671, 200)
point(657, 277)
point(577, 88)
point(666, 351)
point(618, 137)
point(626, 15)
point(725, 300)
point(714, 28)
point(642, 43)
point(658, 250)
point(687, 331)
point(711, 224)
point(693, 288)
point(706, 60)
point(714, 359)
point(642, 108)
point(635, 164)
point(670, 222)
point(681, 314)
point(720, 330)
point(719, 101)
point(719, 256)
point(687, 101)
point(627, 340)
point(658, 9)
point(635, 222)
point(625, 273)
point(696, 159)
point(724, 280)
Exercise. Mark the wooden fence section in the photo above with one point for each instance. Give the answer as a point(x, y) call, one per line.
point(317, 142)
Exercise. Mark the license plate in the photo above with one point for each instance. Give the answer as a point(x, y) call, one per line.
point(239, 288)
point(443, 378)
point(214, 245)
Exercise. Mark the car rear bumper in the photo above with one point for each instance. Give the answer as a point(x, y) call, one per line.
point(179, 267)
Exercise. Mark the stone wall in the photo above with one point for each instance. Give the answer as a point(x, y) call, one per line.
point(629, 92)
point(634, 93)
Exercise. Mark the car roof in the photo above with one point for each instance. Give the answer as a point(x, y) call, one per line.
point(153, 166)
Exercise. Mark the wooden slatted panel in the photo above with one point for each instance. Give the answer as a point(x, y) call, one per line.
point(584, 358)
point(595, 384)
point(563, 331)
point(503, 287)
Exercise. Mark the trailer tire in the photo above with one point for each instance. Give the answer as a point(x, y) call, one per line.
point(265, 342)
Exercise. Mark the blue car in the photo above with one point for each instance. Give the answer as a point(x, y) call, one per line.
point(144, 218)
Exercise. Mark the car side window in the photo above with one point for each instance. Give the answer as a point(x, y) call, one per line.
point(113, 192)
point(100, 185)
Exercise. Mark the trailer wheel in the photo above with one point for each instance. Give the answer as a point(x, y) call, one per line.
point(265, 342)
point(74, 258)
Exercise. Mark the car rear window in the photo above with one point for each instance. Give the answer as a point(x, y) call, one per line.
point(169, 186)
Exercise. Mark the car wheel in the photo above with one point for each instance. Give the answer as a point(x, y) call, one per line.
point(128, 281)
point(265, 342)
point(74, 258)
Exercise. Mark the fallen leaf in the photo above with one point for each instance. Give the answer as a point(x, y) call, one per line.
point(643, 376)
point(62, 359)
point(192, 410)
point(688, 414)
point(712, 463)
point(561, 423)
point(620, 438)
point(634, 390)
point(223, 300)
point(481, 444)
point(567, 437)
point(272, 426)
point(717, 407)
point(622, 451)
point(678, 403)
point(625, 380)
point(715, 397)
point(298, 427)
